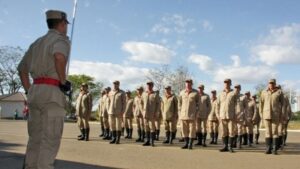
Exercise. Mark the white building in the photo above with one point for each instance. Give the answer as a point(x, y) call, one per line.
point(11, 103)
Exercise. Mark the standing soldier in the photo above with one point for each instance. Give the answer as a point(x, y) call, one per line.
point(107, 134)
point(241, 108)
point(188, 101)
point(227, 104)
point(256, 120)
point(101, 110)
point(170, 114)
point(151, 104)
point(213, 119)
point(137, 109)
point(204, 109)
point(84, 106)
point(46, 61)
point(271, 106)
point(285, 118)
point(158, 118)
point(128, 115)
point(250, 116)
point(116, 110)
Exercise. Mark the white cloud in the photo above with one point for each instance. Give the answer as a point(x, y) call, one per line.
point(130, 77)
point(204, 62)
point(281, 45)
point(158, 28)
point(148, 52)
point(207, 26)
point(237, 72)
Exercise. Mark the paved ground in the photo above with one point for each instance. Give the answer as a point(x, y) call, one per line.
point(97, 154)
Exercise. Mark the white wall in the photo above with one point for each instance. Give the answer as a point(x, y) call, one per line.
point(8, 109)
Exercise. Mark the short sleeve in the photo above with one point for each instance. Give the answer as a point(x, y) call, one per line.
point(24, 64)
point(61, 46)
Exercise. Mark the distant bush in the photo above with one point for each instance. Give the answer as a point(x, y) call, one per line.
point(296, 116)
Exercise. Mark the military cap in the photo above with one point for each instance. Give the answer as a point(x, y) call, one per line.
point(149, 83)
point(140, 88)
point(116, 82)
point(279, 86)
point(84, 84)
point(128, 91)
point(213, 91)
point(254, 96)
point(237, 86)
point(247, 92)
point(272, 81)
point(55, 14)
point(189, 81)
point(201, 86)
point(168, 87)
point(108, 89)
point(103, 91)
point(227, 81)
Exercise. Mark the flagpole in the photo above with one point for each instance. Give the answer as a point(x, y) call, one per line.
point(72, 31)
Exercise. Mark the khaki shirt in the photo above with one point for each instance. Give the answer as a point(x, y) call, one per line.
point(84, 104)
point(204, 106)
point(129, 108)
point(213, 115)
point(117, 105)
point(39, 62)
point(287, 113)
point(169, 107)
point(151, 105)
point(271, 104)
point(251, 113)
point(241, 108)
point(101, 106)
point(188, 104)
point(227, 105)
point(138, 106)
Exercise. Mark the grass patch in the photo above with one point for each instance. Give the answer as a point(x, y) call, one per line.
point(294, 125)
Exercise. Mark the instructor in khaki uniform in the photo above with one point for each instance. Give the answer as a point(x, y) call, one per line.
point(213, 118)
point(271, 106)
point(151, 104)
point(188, 107)
point(100, 111)
point(227, 104)
point(128, 115)
point(137, 109)
point(84, 106)
point(46, 61)
point(116, 110)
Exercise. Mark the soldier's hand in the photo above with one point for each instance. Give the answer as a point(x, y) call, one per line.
point(65, 87)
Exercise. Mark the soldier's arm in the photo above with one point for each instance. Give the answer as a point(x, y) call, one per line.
point(208, 104)
point(60, 66)
point(123, 102)
point(24, 71)
point(261, 105)
point(179, 102)
point(176, 107)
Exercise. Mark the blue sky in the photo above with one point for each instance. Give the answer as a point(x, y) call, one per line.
point(248, 41)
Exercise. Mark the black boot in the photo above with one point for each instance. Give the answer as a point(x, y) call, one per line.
point(118, 137)
point(225, 142)
point(139, 131)
point(191, 140)
point(280, 141)
point(148, 139)
point(102, 131)
point(276, 145)
point(153, 137)
point(181, 140)
point(81, 131)
point(212, 137)
point(256, 138)
point(284, 139)
point(204, 139)
point(216, 138)
point(82, 134)
point(235, 138)
point(127, 132)
point(172, 137)
point(199, 139)
point(175, 134)
point(167, 137)
point(114, 137)
point(186, 139)
point(231, 142)
point(130, 134)
point(268, 146)
point(245, 139)
point(250, 140)
point(240, 139)
point(106, 134)
point(87, 134)
point(122, 131)
point(143, 135)
point(157, 132)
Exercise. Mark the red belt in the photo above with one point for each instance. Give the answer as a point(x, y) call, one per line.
point(46, 80)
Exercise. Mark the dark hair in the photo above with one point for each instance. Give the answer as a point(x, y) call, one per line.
point(52, 23)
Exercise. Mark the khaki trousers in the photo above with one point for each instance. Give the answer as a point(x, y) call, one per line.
point(140, 122)
point(240, 127)
point(282, 128)
point(271, 128)
point(115, 122)
point(213, 126)
point(149, 125)
point(45, 128)
point(188, 128)
point(157, 123)
point(106, 122)
point(80, 121)
point(201, 125)
point(228, 127)
point(170, 125)
point(256, 128)
point(128, 122)
point(249, 127)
